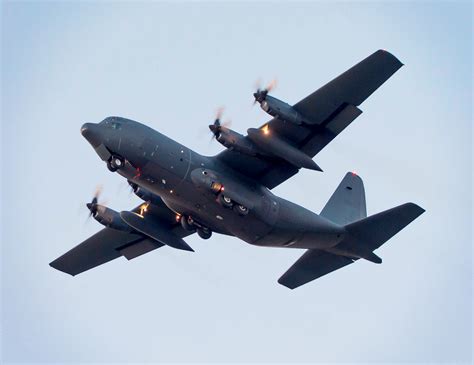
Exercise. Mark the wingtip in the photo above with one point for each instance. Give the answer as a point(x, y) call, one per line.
point(390, 55)
point(285, 284)
point(55, 265)
point(416, 208)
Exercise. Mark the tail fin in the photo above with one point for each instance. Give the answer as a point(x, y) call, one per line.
point(368, 234)
point(347, 203)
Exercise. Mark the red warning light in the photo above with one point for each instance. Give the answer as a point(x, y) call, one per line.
point(138, 173)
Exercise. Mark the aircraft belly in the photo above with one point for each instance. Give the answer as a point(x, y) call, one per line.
point(207, 211)
point(167, 172)
point(298, 227)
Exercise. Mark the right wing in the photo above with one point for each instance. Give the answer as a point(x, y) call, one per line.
point(108, 244)
point(330, 109)
point(312, 265)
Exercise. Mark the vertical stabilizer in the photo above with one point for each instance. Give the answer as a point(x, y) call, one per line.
point(347, 203)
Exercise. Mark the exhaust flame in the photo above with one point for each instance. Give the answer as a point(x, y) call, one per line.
point(144, 208)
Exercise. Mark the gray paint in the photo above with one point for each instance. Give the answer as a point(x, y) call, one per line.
point(195, 187)
point(68, 63)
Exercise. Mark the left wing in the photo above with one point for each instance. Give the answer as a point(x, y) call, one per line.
point(329, 110)
point(108, 244)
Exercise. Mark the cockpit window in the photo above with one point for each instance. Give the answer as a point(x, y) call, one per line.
point(116, 125)
point(112, 123)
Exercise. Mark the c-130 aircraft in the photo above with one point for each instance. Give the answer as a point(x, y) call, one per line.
point(185, 192)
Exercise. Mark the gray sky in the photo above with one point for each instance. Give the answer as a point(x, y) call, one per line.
point(171, 66)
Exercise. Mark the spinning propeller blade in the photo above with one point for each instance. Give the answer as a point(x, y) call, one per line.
point(216, 127)
point(92, 206)
point(261, 94)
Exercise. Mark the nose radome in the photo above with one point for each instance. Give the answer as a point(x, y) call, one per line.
point(90, 131)
point(85, 128)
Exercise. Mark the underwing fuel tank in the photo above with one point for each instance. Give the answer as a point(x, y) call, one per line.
point(235, 141)
point(273, 145)
point(153, 228)
point(144, 194)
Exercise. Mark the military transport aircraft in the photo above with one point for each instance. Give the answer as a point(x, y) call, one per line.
point(185, 192)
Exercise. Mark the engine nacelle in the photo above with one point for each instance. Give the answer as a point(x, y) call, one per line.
point(280, 148)
point(233, 140)
point(144, 194)
point(281, 110)
point(109, 218)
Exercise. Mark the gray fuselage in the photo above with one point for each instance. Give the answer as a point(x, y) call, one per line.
point(183, 179)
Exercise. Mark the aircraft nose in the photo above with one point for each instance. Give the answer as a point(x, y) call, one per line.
point(90, 131)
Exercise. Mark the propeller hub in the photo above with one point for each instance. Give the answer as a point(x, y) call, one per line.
point(92, 206)
point(260, 95)
point(217, 128)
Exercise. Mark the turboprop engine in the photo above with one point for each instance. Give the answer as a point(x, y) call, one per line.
point(275, 107)
point(231, 139)
point(144, 194)
point(108, 217)
point(281, 110)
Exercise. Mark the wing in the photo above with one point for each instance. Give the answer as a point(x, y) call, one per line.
point(312, 265)
point(108, 244)
point(329, 109)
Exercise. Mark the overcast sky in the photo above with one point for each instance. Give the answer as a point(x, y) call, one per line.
point(171, 66)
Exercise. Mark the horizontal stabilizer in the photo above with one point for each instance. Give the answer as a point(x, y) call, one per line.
point(150, 226)
point(312, 265)
point(374, 231)
point(362, 238)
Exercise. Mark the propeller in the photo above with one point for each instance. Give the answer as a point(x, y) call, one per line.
point(261, 94)
point(92, 206)
point(216, 127)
